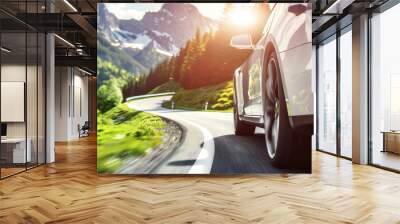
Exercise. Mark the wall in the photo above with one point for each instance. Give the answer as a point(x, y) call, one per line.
point(71, 102)
point(14, 73)
point(33, 127)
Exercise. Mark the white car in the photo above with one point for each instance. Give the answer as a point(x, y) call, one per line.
point(273, 87)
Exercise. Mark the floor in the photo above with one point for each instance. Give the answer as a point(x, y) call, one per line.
point(8, 171)
point(387, 159)
point(70, 191)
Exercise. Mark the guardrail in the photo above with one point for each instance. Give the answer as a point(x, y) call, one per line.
point(149, 95)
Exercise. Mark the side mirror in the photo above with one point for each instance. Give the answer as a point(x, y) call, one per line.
point(242, 41)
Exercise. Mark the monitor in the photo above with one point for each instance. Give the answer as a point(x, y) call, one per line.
point(3, 129)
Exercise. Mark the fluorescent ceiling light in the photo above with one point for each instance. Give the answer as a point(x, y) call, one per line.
point(84, 71)
point(64, 40)
point(5, 50)
point(70, 5)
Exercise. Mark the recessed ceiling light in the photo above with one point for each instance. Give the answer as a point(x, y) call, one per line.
point(338, 6)
point(70, 5)
point(84, 71)
point(64, 40)
point(5, 50)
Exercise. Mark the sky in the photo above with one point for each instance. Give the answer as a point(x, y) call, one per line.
point(137, 10)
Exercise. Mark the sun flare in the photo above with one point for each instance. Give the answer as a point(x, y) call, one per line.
point(242, 16)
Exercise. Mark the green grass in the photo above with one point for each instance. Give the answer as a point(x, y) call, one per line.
point(219, 98)
point(170, 86)
point(124, 133)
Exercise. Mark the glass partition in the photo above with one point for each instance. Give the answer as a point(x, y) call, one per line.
point(327, 95)
point(14, 151)
point(22, 90)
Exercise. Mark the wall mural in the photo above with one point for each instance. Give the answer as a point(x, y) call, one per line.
point(174, 86)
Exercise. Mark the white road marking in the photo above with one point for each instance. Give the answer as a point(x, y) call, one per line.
point(205, 158)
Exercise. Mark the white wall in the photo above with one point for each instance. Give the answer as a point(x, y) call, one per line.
point(33, 126)
point(12, 73)
point(62, 81)
point(71, 94)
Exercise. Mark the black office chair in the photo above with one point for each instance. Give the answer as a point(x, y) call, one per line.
point(84, 130)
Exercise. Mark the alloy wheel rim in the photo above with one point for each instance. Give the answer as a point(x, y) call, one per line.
point(272, 121)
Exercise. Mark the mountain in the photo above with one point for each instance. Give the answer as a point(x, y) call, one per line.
point(170, 27)
point(106, 21)
point(151, 55)
point(118, 57)
point(140, 45)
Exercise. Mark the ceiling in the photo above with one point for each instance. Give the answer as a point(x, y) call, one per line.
point(331, 15)
point(75, 23)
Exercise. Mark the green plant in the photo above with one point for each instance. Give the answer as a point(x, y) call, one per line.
point(125, 133)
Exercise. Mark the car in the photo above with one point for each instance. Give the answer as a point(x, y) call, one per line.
point(273, 87)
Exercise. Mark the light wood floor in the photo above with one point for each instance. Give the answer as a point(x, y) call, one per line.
point(70, 191)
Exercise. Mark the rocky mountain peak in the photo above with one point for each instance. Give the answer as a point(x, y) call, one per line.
point(157, 35)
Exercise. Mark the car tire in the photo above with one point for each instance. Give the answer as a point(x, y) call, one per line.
point(285, 147)
point(241, 127)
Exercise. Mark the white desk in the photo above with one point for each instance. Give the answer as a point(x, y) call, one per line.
point(18, 150)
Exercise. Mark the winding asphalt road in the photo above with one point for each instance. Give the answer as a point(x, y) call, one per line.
point(210, 145)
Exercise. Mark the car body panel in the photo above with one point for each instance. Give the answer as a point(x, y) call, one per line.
point(288, 32)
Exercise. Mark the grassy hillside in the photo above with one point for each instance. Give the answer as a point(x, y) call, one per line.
point(219, 98)
point(123, 133)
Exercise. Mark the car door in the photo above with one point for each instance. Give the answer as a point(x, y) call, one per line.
point(253, 105)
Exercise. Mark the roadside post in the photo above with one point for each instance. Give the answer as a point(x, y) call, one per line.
point(206, 106)
point(172, 105)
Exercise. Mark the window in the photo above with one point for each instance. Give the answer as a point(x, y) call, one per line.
point(385, 89)
point(327, 95)
point(346, 93)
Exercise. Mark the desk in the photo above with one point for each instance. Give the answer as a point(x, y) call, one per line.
point(13, 150)
point(391, 141)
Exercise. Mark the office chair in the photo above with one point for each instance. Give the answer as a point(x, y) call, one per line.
point(84, 130)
